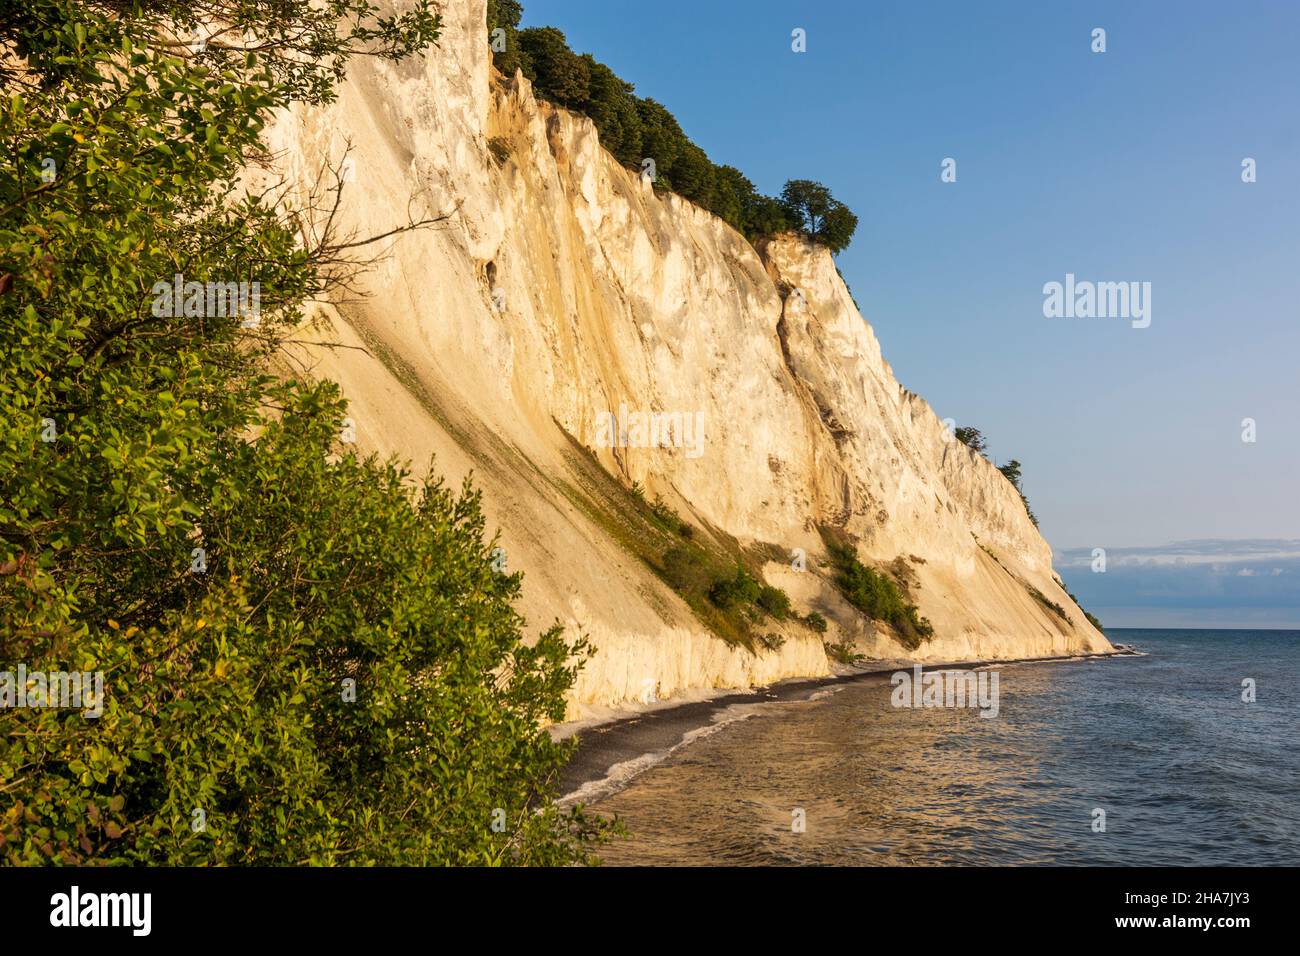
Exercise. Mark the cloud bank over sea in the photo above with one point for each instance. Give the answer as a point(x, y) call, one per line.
point(1253, 582)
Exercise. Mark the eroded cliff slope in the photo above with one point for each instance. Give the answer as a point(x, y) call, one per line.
point(561, 288)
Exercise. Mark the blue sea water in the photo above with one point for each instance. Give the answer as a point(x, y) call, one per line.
point(1185, 770)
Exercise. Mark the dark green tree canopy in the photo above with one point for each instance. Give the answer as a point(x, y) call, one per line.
point(972, 438)
point(306, 656)
point(555, 68)
point(838, 228)
point(635, 129)
point(817, 214)
point(503, 16)
point(613, 107)
point(807, 202)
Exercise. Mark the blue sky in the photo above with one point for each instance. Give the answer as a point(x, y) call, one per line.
point(1115, 166)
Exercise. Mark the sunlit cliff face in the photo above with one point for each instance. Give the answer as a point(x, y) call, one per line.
point(560, 296)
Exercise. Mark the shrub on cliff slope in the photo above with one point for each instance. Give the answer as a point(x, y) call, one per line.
point(729, 602)
point(301, 662)
point(877, 596)
point(738, 589)
point(773, 601)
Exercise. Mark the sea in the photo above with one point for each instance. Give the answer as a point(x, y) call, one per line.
point(1186, 755)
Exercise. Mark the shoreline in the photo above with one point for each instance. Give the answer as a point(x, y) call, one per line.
point(613, 751)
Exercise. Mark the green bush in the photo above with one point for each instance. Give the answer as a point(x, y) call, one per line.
point(817, 214)
point(843, 653)
point(972, 438)
point(302, 650)
point(669, 520)
point(1051, 605)
point(773, 601)
point(877, 596)
point(815, 622)
point(1011, 472)
point(736, 591)
point(684, 570)
point(327, 697)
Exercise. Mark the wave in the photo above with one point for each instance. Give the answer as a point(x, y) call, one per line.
point(621, 774)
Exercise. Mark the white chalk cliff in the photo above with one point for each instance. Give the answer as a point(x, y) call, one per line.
point(608, 294)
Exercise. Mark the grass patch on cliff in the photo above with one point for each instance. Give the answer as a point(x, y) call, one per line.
point(1046, 602)
point(409, 379)
point(875, 594)
point(1042, 598)
point(1033, 592)
point(719, 581)
point(499, 147)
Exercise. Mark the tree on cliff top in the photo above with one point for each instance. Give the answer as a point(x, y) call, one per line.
point(305, 658)
point(556, 69)
point(818, 215)
point(1011, 472)
point(503, 16)
point(971, 437)
point(634, 129)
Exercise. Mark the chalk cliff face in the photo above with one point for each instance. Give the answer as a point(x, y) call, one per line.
point(562, 287)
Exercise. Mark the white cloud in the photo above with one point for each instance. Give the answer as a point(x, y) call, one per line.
point(1213, 552)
